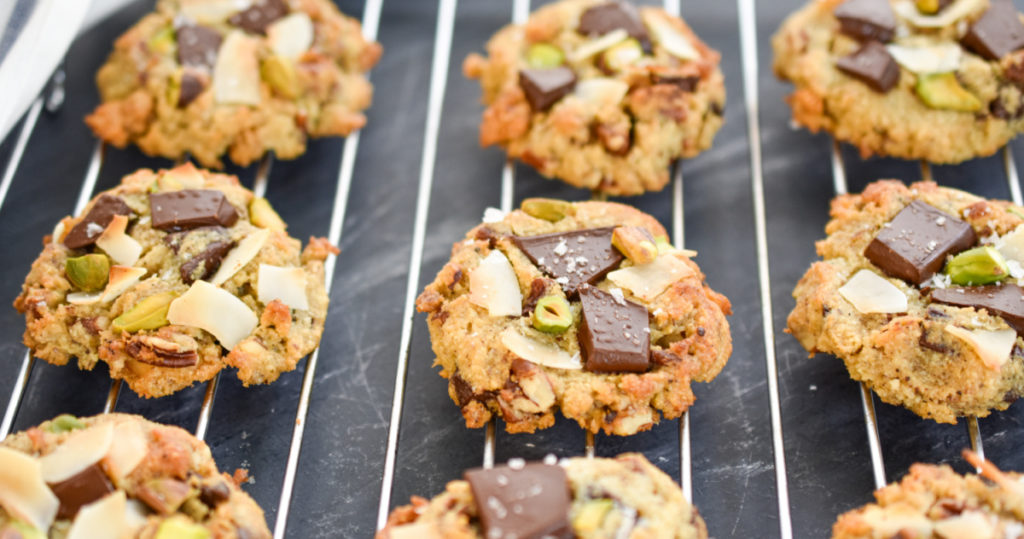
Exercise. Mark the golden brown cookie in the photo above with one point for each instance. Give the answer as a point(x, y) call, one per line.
point(172, 276)
point(602, 95)
point(591, 498)
point(118, 475)
point(582, 307)
point(208, 77)
point(941, 81)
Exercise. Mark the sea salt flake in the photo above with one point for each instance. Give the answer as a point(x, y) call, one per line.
point(516, 463)
point(561, 248)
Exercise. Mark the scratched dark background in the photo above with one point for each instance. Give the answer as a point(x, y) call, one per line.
point(340, 471)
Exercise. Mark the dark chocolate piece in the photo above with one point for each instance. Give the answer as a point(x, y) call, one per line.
point(873, 65)
point(867, 20)
point(163, 494)
point(258, 17)
point(913, 246)
point(684, 83)
point(997, 32)
point(601, 19)
point(544, 87)
point(92, 225)
point(191, 208)
point(81, 489)
point(197, 46)
point(1005, 301)
point(614, 333)
point(214, 494)
point(522, 501)
point(191, 87)
point(572, 258)
point(204, 264)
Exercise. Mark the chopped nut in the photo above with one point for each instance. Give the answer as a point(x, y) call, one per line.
point(88, 272)
point(150, 313)
point(636, 243)
point(548, 209)
point(534, 383)
point(263, 215)
point(164, 495)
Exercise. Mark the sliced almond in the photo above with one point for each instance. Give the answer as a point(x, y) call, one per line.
point(966, 525)
point(648, 281)
point(135, 516)
point(125, 455)
point(84, 298)
point(57, 236)
point(81, 449)
point(215, 310)
point(288, 285)
point(212, 11)
point(993, 347)
point(237, 259)
point(120, 247)
point(930, 58)
point(236, 75)
point(589, 48)
point(669, 37)
point(907, 10)
point(102, 519)
point(871, 293)
point(23, 492)
point(184, 176)
point(601, 91)
point(493, 285)
point(539, 352)
point(291, 36)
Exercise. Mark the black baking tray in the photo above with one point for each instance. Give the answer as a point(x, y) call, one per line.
point(340, 471)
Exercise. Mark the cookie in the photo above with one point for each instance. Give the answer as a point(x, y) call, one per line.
point(919, 294)
point(623, 497)
point(941, 81)
point(172, 276)
point(118, 475)
point(935, 501)
point(601, 95)
point(205, 78)
point(582, 307)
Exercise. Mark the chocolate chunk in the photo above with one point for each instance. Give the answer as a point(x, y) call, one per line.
point(1005, 301)
point(614, 334)
point(572, 258)
point(522, 501)
point(191, 208)
point(544, 87)
point(996, 33)
point(204, 264)
point(867, 20)
point(214, 494)
point(873, 65)
point(81, 489)
point(197, 46)
point(684, 83)
point(92, 225)
point(537, 289)
point(258, 17)
point(914, 245)
point(604, 18)
point(191, 87)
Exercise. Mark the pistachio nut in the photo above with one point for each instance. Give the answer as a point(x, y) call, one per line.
point(552, 314)
point(64, 423)
point(279, 72)
point(548, 209)
point(621, 55)
point(163, 42)
point(544, 56)
point(664, 245)
point(263, 215)
point(180, 528)
point(981, 265)
point(20, 530)
point(150, 313)
point(88, 272)
point(590, 515)
point(943, 91)
point(636, 243)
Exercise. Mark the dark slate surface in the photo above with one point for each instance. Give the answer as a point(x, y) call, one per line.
point(339, 475)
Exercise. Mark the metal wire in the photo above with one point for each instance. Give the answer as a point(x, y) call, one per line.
point(748, 46)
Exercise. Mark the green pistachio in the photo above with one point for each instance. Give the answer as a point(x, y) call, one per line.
point(1013, 210)
point(622, 55)
point(552, 314)
point(163, 42)
point(279, 72)
point(930, 7)
point(150, 313)
point(181, 528)
point(64, 423)
point(943, 91)
point(195, 509)
point(263, 215)
point(664, 246)
point(88, 272)
point(589, 516)
point(174, 88)
point(544, 56)
point(981, 265)
point(548, 209)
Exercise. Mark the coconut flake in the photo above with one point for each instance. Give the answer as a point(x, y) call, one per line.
point(212, 11)
point(237, 259)
point(102, 519)
point(493, 285)
point(493, 215)
point(81, 449)
point(23, 492)
point(648, 281)
point(121, 279)
point(287, 285)
point(215, 310)
point(993, 347)
point(131, 447)
point(1011, 245)
point(291, 36)
point(870, 293)
point(596, 45)
point(601, 91)
point(932, 58)
point(669, 37)
point(539, 352)
point(120, 247)
point(236, 75)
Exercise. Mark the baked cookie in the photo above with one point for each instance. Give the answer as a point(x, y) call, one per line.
point(118, 475)
point(242, 77)
point(934, 501)
point(582, 307)
point(172, 276)
point(939, 80)
point(919, 294)
point(624, 497)
point(600, 94)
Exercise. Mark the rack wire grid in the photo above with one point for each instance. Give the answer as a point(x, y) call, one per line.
point(365, 422)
